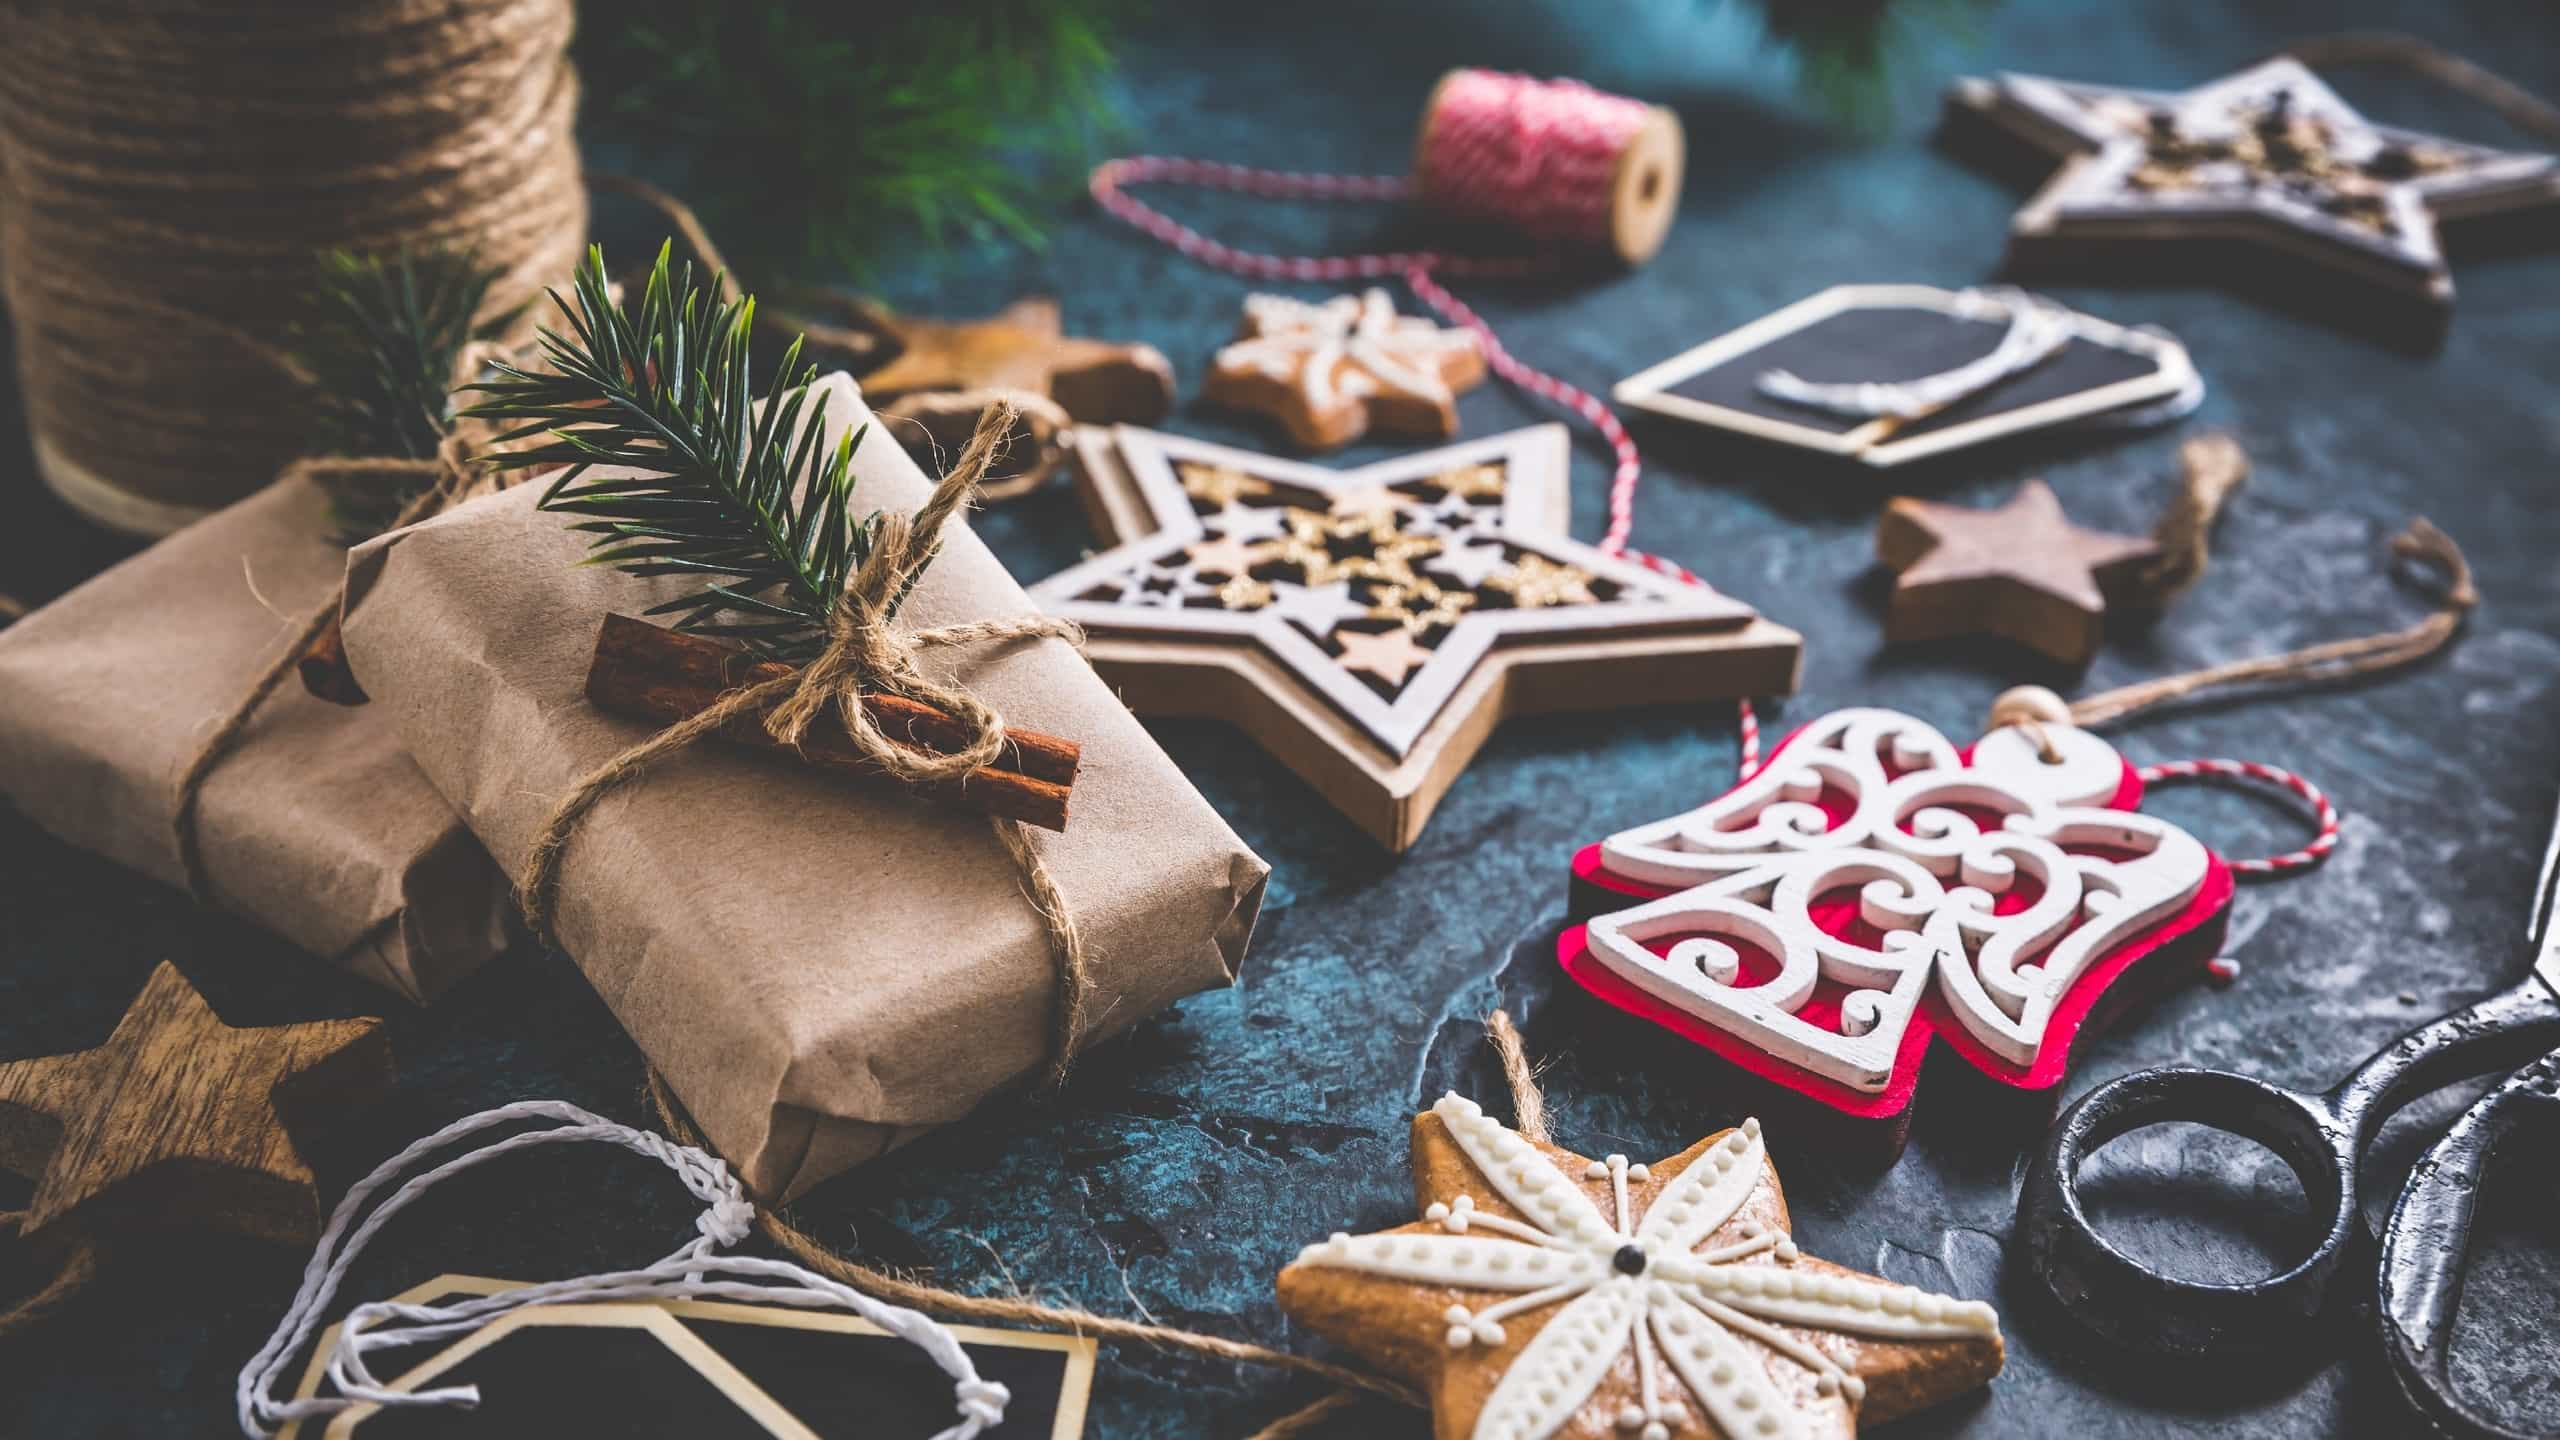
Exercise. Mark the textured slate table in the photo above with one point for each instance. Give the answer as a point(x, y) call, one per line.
point(1187, 1164)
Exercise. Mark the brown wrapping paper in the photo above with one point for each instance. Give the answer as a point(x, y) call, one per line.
point(316, 825)
point(821, 968)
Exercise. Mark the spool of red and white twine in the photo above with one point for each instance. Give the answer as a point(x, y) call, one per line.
point(1589, 179)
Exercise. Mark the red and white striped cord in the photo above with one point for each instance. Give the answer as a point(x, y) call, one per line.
point(2322, 812)
point(1417, 268)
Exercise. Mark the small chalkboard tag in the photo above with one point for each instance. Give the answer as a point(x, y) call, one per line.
point(1889, 336)
point(701, 1369)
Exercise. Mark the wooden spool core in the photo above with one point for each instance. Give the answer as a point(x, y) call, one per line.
point(1644, 191)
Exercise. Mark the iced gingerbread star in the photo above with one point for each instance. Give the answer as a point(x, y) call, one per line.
point(1330, 373)
point(1546, 1293)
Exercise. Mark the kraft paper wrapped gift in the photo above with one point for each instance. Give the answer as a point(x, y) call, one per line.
point(316, 825)
point(820, 967)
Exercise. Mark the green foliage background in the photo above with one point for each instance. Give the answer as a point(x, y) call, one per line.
point(835, 126)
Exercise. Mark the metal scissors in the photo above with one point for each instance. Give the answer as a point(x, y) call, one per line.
point(2422, 1255)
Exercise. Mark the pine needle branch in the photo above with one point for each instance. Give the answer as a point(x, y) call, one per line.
point(380, 338)
point(694, 481)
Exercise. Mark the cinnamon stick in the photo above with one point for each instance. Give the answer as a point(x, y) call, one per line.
point(648, 672)
point(324, 671)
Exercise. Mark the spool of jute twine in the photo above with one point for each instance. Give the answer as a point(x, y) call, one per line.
point(170, 168)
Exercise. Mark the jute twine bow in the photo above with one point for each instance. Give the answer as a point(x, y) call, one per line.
point(865, 653)
point(1350, 1385)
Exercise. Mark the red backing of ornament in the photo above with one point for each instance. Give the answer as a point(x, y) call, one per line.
point(2169, 951)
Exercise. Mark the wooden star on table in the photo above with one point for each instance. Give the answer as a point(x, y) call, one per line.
point(182, 1121)
point(2020, 570)
point(2269, 156)
point(1370, 626)
point(1548, 1294)
point(1024, 347)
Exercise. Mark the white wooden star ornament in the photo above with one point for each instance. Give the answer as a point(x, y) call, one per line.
point(1548, 1294)
point(2269, 156)
point(1370, 626)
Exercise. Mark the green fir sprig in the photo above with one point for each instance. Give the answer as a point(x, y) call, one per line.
point(379, 337)
point(756, 505)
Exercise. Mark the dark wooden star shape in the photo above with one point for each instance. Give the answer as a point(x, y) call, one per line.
point(2020, 570)
point(181, 1121)
point(2270, 156)
point(1024, 347)
point(1546, 1293)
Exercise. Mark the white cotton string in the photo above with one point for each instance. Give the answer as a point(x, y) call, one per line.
point(2038, 329)
point(693, 1271)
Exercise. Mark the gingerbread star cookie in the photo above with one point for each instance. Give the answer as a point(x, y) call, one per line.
point(1547, 1294)
point(1331, 372)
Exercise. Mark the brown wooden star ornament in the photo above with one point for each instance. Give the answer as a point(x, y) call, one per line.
point(2020, 570)
point(1024, 347)
point(1548, 1294)
point(1370, 626)
point(182, 1121)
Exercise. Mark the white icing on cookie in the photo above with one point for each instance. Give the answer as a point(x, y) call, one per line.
point(1643, 1284)
point(1346, 348)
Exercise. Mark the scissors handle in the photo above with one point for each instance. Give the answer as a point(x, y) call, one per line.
point(2425, 1248)
point(2139, 1307)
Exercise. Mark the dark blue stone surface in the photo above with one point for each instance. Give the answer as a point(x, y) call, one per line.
point(1187, 1164)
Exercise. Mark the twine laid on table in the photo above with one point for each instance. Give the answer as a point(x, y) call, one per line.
point(864, 653)
point(168, 171)
point(1351, 1385)
point(77, 1266)
point(2032, 707)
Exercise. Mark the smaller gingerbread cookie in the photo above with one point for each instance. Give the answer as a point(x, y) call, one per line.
point(1547, 1294)
point(1332, 372)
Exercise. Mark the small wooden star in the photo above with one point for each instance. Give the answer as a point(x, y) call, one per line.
point(182, 1121)
point(1225, 555)
point(1024, 347)
point(1390, 656)
point(1546, 1293)
point(2021, 571)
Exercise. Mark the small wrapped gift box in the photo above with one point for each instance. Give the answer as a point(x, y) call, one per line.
point(821, 967)
point(315, 824)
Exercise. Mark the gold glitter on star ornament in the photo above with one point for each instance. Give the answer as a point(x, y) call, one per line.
point(1548, 1294)
point(2269, 157)
point(1461, 550)
point(1535, 580)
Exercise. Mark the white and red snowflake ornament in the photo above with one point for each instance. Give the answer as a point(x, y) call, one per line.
point(1873, 888)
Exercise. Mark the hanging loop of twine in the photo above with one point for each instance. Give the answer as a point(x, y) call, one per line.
point(75, 1268)
point(2329, 663)
point(865, 653)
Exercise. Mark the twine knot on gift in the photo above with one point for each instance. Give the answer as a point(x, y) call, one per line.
point(866, 653)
